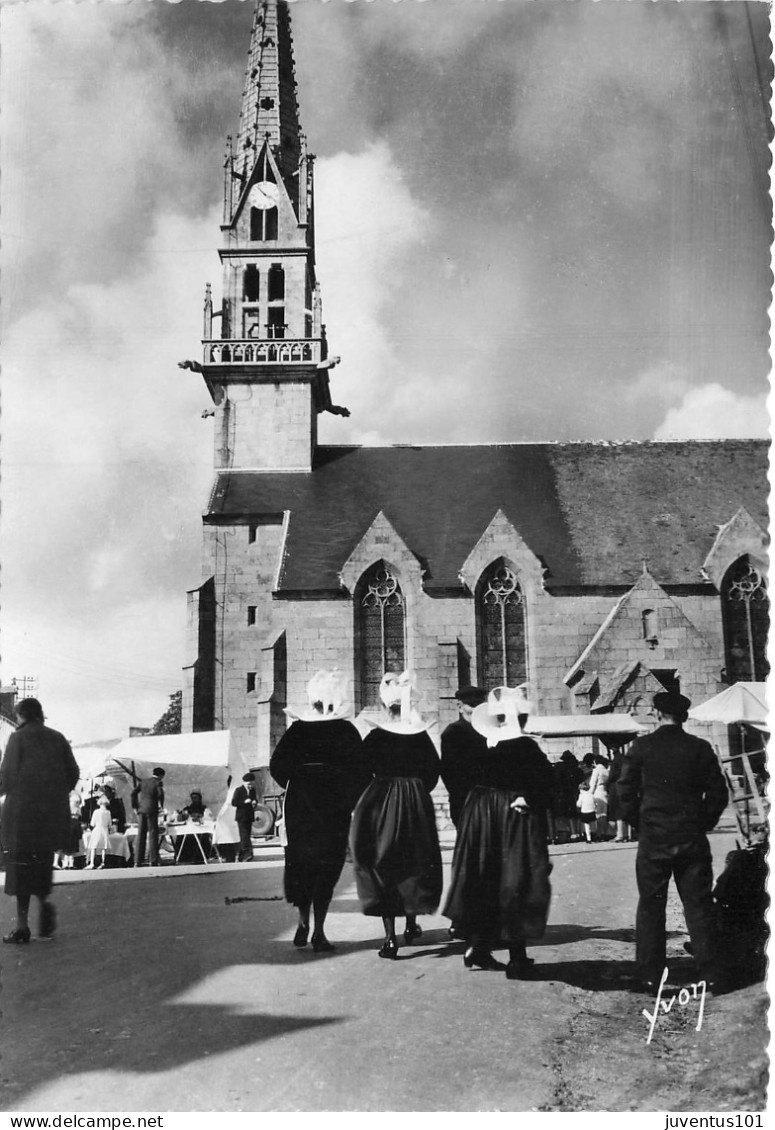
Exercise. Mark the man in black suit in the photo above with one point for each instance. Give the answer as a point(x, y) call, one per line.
point(460, 745)
point(672, 787)
point(245, 800)
point(148, 799)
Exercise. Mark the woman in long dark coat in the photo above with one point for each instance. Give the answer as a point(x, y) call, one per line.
point(36, 776)
point(500, 869)
point(318, 761)
point(615, 813)
point(393, 837)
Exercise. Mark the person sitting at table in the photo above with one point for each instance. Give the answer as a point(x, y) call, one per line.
point(99, 840)
point(194, 812)
point(195, 809)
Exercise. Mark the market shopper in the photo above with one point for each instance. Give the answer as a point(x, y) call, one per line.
point(148, 799)
point(499, 887)
point(460, 747)
point(672, 787)
point(245, 800)
point(318, 762)
point(38, 772)
point(393, 838)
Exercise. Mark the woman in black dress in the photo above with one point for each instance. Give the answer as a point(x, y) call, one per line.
point(318, 761)
point(393, 837)
point(36, 777)
point(500, 869)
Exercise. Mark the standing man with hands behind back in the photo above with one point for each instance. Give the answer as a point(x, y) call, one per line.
point(671, 785)
point(245, 800)
point(148, 799)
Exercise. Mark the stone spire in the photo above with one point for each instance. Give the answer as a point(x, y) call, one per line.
point(269, 108)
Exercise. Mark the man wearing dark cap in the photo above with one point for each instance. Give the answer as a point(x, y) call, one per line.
point(460, 745)
point(672, 787)
point(148, 799)
point(245, 801)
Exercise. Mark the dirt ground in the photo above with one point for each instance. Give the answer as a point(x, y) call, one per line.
point(158, 994)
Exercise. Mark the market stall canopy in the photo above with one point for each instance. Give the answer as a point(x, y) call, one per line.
point(93, 757)
point(202, 761)
point(741, 703)
point(584, 725)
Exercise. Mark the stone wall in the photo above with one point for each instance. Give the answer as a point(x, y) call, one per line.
point(266, 426)
point(244, 562)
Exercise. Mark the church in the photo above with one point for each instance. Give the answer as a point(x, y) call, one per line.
point(597, 573)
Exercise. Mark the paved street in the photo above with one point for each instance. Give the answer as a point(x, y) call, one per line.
point(158, 995)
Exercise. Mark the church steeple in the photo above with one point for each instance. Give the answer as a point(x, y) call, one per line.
point(269, 108)
point(268, 370)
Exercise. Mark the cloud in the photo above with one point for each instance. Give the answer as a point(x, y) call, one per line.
point(93, 142)
point(666, 382)
point(368, 227)
point(715, 412)
point(601, 94)
point(98, 675)
point(106, 468)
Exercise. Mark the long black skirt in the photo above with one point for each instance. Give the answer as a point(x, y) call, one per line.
point(313, 864)
point(29, 873)
point(499, 890)
point(395, 849)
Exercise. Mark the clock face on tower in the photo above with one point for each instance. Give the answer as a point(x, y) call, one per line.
point(264, 195)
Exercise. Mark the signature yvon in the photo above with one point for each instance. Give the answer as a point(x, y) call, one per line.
point(696, 991)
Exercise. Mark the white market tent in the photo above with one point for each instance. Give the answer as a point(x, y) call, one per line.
point(93, 757)
point(740, 704)
point(584, 725)
point(202, 761)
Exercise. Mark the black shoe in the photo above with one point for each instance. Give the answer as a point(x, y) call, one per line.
point(389, 949)
point(19, 936)
point(519, 970)
point(321, 944)
point(301, 936)
point(48, 921)
point(411, 933)
point(481, 959)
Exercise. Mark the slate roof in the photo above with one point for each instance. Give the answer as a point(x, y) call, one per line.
point(593, 512)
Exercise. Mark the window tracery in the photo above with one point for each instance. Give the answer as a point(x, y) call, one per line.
point(501, 628)
point(745, 612)
point(380, 637)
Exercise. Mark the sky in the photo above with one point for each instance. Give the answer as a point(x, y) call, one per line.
point(542, 221)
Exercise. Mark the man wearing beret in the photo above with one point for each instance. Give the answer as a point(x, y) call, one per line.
point(245, 800)
point(672, 787)
point(460, 746)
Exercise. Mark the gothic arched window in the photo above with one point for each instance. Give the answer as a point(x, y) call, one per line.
point(380, 633)
point(501, 628)
point(745, 610)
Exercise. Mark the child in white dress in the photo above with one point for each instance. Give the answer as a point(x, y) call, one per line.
point(100, 831)
point(586, 807)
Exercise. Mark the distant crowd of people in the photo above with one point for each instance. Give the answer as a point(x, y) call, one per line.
point(585, 801)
